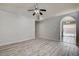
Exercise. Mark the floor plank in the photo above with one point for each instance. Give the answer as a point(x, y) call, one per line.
point(40, 47)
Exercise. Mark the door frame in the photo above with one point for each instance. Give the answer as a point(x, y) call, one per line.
point(61, 28)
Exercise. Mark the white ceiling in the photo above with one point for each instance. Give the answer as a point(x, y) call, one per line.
point(52, 8)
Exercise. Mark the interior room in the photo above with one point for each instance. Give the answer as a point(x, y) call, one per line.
point(39, 29)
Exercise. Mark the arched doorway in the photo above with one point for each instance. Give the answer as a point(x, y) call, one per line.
point(68, 30)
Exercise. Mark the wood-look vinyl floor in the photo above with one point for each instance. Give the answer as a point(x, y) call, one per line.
point(39, 47)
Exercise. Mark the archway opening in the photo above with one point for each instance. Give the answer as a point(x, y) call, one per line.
point(68, 30)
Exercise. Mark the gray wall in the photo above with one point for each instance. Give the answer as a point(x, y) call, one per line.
point(18, 27)
point(50, 28)
point(15, 28)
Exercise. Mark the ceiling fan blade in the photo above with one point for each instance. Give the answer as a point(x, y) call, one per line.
point(31, 10)
point(41, 13)
point(33, 13)
point(42, 10)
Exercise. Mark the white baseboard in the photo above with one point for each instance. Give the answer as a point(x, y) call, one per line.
point(21, 40)
point(48, 39)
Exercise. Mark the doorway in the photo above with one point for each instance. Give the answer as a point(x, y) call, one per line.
point(68, 30)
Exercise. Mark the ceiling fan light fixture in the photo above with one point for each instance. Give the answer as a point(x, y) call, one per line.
point(36, 11)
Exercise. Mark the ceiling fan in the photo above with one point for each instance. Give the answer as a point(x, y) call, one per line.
point(36, 10)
